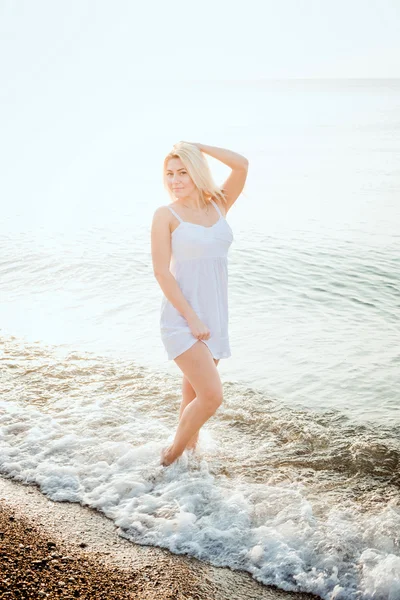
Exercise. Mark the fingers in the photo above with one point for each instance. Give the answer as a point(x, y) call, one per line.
point(204, 336)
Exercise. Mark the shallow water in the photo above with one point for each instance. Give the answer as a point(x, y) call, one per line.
point(307, 501)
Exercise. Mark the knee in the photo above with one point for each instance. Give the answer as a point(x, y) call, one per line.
point(212, 400)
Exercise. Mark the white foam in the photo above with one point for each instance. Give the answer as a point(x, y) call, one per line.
point(88, 454)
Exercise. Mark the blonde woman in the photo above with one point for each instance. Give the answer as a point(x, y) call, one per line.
point(190, 240)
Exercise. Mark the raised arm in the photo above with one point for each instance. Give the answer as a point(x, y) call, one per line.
point(239, 164)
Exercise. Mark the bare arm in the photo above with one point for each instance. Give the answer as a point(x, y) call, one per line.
point(228, 157)
point(161, 257)
point(239, 164)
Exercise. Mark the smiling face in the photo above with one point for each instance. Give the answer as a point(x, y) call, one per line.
point(179, 180)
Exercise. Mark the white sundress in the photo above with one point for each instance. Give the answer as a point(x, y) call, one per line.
point(199, 264)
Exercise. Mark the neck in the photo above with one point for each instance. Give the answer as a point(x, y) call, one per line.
point(193, 203)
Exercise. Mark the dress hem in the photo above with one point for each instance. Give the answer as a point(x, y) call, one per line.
point(223, 355)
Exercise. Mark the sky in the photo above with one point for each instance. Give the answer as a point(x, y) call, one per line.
point(77, 122)
point(211, 39)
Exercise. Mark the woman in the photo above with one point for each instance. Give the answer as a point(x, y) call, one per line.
point(193, 237)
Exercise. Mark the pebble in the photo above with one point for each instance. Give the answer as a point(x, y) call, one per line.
point(37, 567)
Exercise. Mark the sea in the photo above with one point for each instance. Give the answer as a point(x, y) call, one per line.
point(297, 476)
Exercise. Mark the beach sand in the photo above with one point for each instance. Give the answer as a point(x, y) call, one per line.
point(65, 550)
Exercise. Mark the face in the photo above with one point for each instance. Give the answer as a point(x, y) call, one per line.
point(178, 179)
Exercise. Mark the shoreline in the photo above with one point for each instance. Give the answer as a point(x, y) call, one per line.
point(79, 547)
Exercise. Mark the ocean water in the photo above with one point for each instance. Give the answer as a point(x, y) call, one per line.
point(297, 480)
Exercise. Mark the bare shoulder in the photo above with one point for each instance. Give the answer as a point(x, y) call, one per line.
point(162, 218)
point(161, 210)
point(222, 207)
point(161, 214)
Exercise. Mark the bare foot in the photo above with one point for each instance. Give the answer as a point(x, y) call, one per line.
point(167, 456)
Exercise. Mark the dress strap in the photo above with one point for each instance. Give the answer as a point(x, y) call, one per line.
point(217, 207)
point(176, 215)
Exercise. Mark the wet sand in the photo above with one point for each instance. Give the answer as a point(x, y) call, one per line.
point(65, 550)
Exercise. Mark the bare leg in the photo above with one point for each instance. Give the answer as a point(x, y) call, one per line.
point(188, 394)
point(199, 367)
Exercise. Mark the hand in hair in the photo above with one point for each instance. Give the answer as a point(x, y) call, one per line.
point(192, 143)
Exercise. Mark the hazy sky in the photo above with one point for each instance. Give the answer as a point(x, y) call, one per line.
point(77, 124)
point(208, 39)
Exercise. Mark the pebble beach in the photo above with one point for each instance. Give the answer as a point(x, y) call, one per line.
point(65, 550)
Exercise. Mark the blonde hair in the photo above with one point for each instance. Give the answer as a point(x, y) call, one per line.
point(198, 169)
